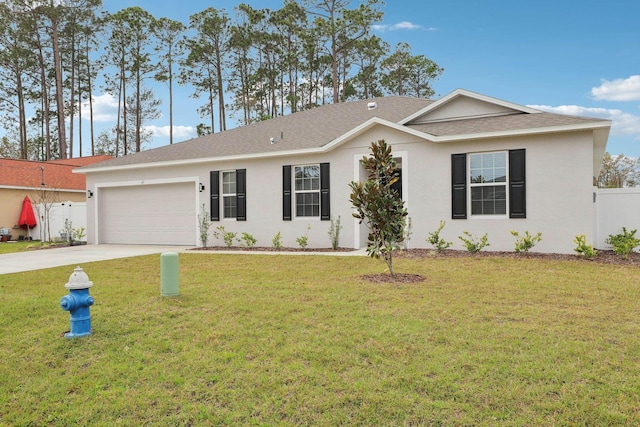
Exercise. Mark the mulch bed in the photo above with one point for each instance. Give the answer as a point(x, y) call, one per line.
point(269, 249)
point(602, 257)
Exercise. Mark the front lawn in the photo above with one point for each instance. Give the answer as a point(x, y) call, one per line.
point(18, 246)
point(292, 340)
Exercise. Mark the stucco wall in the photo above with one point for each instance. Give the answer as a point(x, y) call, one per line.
point(559, 191)
point(11, 205)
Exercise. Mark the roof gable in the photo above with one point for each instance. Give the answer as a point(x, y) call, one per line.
point(463, 104)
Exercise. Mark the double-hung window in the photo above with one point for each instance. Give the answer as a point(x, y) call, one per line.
point(228, 194)
point(492, 183)
point(307, 190)
point(488, 183)
point(229, 200)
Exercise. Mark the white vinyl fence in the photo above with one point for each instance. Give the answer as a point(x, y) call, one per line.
point(76, 212)
point(615, 208)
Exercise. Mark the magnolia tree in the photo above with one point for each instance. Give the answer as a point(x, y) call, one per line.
point(379, 205)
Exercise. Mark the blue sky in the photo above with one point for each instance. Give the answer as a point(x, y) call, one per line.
point(580, 58)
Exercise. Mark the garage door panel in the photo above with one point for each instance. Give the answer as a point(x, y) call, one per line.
point(148, 214)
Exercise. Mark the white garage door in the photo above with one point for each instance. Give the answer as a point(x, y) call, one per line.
point(163, 214)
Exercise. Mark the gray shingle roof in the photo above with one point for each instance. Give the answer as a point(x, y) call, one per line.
point(517, 121)
point(320, 126)
point(303, 130)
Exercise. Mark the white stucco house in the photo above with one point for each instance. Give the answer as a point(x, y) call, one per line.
point(482, 164)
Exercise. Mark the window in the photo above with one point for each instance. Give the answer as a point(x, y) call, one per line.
point(307, 190)
point(229, 201)
point(231, 191)
point(496, 182)
point(488, 183)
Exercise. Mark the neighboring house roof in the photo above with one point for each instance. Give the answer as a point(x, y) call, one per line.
point(325, 127)
point(55, 174)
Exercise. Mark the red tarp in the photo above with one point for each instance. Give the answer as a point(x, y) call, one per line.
point(27, 218)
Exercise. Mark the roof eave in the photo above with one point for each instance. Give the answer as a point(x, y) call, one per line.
point(316, 150)
point(604, 124)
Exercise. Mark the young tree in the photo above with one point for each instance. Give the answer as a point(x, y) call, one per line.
point(379, 205)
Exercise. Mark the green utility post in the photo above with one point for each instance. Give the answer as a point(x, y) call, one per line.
point(169, 286)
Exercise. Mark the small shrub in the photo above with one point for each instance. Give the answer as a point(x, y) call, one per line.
point(276, 242)
point(623, 244)
point(249, 240)
point(303, 241)
point(472, 243)
point(70, 234)
point(526, 242)
point(438, 242)
point(79, 233)
point(334, 233)
point(227, 236)
point(582, 248)
point(204, 223)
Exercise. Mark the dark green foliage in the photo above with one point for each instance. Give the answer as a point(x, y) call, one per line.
point(379, 205)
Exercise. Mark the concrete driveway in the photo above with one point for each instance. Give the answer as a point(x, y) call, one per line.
point(75, 255)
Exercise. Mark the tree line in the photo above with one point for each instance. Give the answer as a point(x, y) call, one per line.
point(252, 64)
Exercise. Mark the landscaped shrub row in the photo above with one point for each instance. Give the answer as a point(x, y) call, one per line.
point(622, 244)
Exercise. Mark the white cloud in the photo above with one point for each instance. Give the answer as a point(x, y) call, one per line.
point(179, 132)
point(404, 25)
point(105, 108)
point(622, 123)
point(618, 90)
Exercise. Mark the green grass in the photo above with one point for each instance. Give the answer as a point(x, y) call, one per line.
point(11, 247)
point(22, 245)
point(303, 340)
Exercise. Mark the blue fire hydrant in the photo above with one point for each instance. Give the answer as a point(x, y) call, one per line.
point(77, 303)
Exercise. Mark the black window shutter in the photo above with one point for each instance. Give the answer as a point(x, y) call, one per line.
point(459, 186)
point(517, 187)
point(214, 189)
point(325, 200)
point(241, 194)
point(286, 193)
